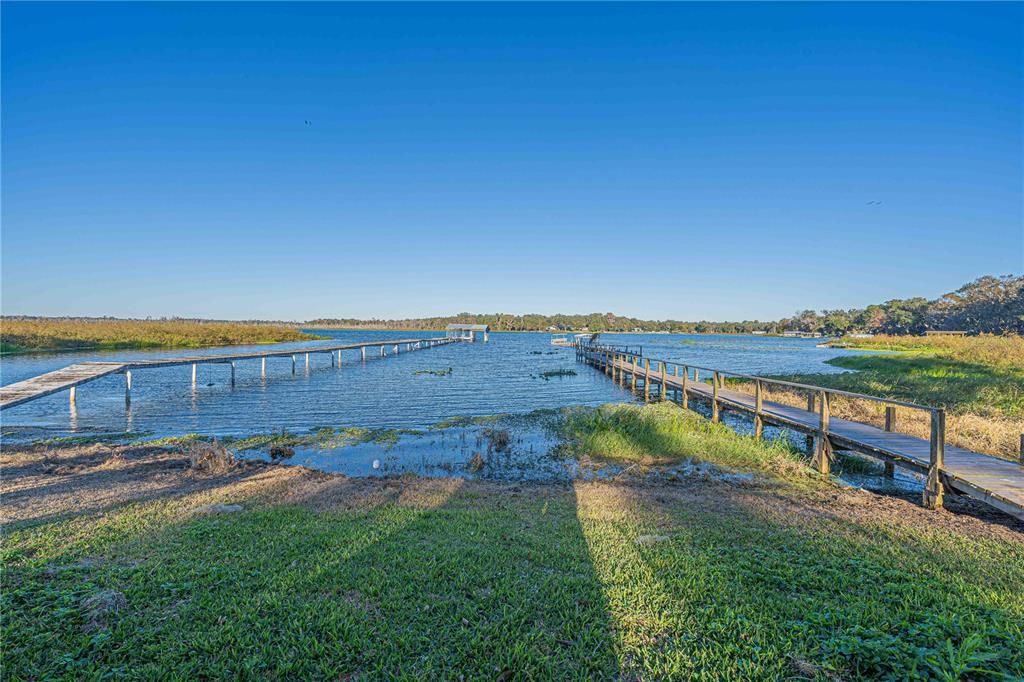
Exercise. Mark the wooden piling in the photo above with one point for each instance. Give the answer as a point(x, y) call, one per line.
point(822, 446)
point(232, 374)
point(933, 485)
point(758, 409)
point(73, 395)
point(890, 424)
point(195, 367)
point(664, 385)
point(632, 375)
point(127, 388)
point(686, 396)
point(647, 380)
point(714, 397)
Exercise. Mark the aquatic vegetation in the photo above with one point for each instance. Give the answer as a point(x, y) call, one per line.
point(662, 433)
point(434, 372)
point(557, 373)
point(68, 334)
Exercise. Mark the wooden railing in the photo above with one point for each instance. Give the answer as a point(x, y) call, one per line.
point(818, 399)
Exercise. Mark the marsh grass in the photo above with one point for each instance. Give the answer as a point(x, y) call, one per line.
point(662, 433)
point(978, 380)
point(19, 335)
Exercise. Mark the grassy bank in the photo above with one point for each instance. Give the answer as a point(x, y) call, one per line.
point(322, 577)
point(52, 334)
point(979, 380)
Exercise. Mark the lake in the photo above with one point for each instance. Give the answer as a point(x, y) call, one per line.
point(501, 376)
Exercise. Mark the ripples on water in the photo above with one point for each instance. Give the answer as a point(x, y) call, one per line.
point(502, 376)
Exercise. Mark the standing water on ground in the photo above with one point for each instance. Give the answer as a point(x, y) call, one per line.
point(412, 390)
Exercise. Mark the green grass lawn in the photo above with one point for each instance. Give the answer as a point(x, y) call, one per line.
point(544, 582)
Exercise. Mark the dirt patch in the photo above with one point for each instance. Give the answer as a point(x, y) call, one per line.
point(99, 609)
point(43, 484)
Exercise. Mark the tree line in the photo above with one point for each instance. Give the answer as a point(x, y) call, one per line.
point(989, 305)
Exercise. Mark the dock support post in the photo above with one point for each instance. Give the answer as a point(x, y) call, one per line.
point(232, 374)
point(664, 386)
point(307, 362)
point(263, 367)
point(686, 378)
point(758, 404)
point(810, 408)
point(822, 446)
point(382, 353)
point(933, 488)
point(890, 424)
point(715, 383)
point(607, 363)
point(195, 367)
point(647, 380)
point(73, 396)
point(293, 365)
point(362, 351)
point(632, 375)
point(332, 358)
point(127, 388)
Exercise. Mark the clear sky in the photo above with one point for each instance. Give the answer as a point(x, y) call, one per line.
point(687, 161)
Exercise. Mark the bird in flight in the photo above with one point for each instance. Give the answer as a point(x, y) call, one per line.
point(873, 203)
point(309, 123)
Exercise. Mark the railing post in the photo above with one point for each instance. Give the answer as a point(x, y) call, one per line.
point(632, 375)
point(890, 424)
point(714, 397)
point(664, 388)
point(622, 370)
point(810, 408)
point(822, 448)
point(933, 488)
point(675, 373)
point(758, 402)
point(686, 378)
point(647, 380)
point(607, 363)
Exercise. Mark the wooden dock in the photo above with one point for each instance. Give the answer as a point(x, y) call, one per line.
point(69, 378)
point(994, 481)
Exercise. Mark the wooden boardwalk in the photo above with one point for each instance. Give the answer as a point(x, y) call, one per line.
point(69, 378)
point(994, 481)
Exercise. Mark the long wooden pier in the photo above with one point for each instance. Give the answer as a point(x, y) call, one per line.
point(69, 378)
point(994, 481)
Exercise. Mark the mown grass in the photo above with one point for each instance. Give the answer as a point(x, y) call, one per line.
point(17, 335)
point(663, 433)
point(979, 380)
point(486, 582)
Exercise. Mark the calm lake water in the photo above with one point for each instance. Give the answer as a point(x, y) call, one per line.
point(501, 376)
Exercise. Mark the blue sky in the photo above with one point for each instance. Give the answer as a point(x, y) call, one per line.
point(687, 161)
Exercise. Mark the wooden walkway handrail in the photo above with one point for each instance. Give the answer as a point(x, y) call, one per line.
point(989, 479)
point(69, 378)
point(791, 384)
